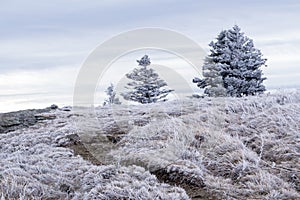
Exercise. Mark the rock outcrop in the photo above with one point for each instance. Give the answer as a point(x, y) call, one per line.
point(21, 119)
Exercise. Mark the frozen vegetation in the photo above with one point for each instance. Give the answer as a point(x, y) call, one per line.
point(210, 148)
point(233, 66)
point(146, 86)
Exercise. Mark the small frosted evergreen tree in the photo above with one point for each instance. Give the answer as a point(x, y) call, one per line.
point(146, 86)
point(233, 66)
point(112, 99)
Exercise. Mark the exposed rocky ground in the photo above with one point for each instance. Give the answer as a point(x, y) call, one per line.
point(210, 148)
point(15, 120)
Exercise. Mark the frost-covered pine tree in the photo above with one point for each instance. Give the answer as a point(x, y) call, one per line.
point(146, 86)
point(112, 99)
point(233, 66)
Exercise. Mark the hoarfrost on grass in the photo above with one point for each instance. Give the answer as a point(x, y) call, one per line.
point(33, 165)
point(222, 148)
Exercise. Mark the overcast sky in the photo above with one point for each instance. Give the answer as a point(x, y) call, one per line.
point(44, 43)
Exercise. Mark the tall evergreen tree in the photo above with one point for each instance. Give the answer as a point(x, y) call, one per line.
point(112, 99)
point(233, 66)
point(146, 86)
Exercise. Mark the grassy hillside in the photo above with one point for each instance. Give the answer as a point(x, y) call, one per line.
point(211, 148)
